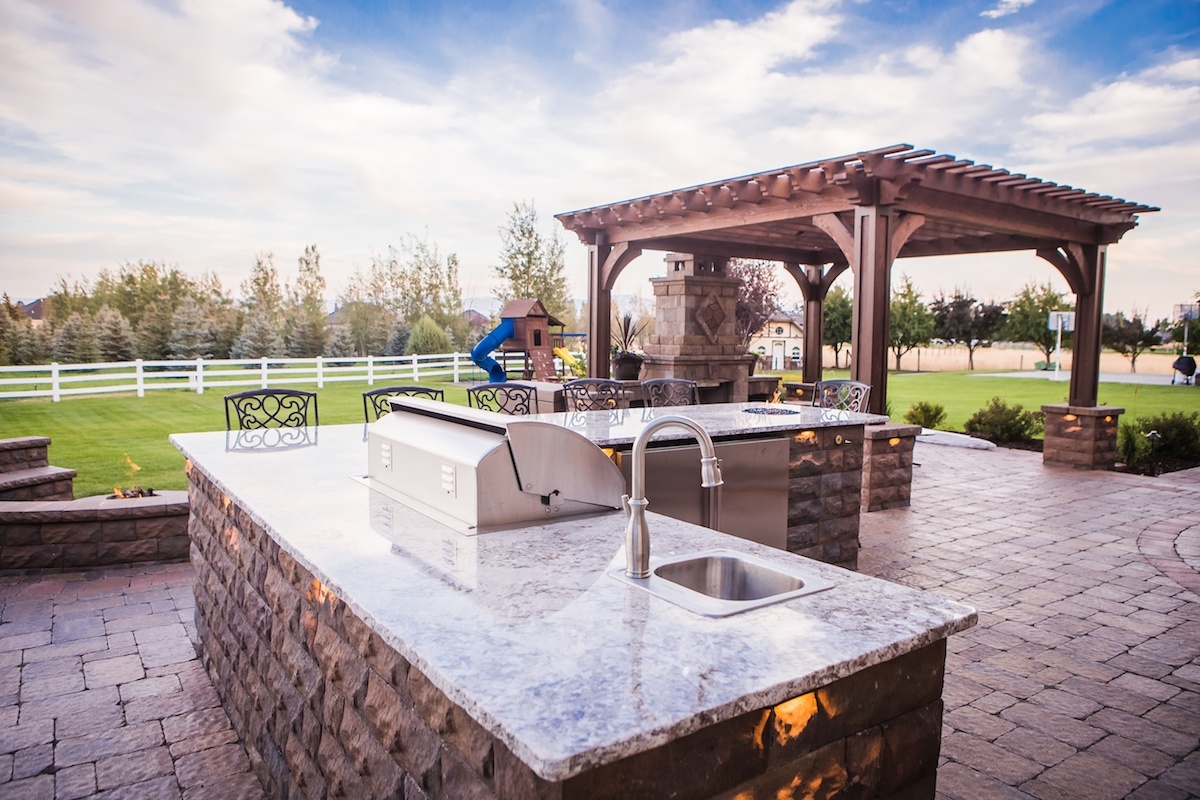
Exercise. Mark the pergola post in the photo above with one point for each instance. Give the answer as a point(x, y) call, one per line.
point(814, 326)
point(1089, 319)
point(600, 309)
point(872, 297)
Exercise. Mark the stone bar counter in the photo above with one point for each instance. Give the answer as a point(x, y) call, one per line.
point(364, 650)
point(812, 477)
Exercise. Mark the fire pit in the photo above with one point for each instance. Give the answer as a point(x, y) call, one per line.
point(132, 492)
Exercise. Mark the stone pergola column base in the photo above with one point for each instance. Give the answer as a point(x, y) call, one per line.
point(1084, 437)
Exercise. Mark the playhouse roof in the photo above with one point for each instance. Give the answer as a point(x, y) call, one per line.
point(525, 307)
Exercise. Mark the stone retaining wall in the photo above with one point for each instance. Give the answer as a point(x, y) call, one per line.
point(93, 531)
point(327, 709)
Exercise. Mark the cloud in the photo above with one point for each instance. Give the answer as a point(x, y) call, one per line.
point(1006, 7)
point(203, 131)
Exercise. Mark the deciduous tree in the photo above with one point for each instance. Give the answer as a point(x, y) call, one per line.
point(961, 319)
point(1028, 315)
point(758, 295)
point(911, 322)
point(531, 265)
point(305, 333)
point(839, 319)
point(1129, 336)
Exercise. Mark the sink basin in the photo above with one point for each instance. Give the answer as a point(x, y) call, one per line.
point(718, 583)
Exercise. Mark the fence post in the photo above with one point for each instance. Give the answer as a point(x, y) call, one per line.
point(416, 378)
point(370, 370)
point(320, 373)
point(264, 372)
point(141, 379)
point(54, 387)
point(456, 367)
point(199, 376)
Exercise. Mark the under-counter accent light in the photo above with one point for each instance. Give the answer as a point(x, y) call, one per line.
point(319, 592)
point(232, 538)
point(895, 440)
point(807, 437)
point(792, 717)
point(1108, 419)
point(187, 467)
point(1070, 417)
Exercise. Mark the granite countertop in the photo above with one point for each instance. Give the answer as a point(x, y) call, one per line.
point(522, 628)
point(722, 420)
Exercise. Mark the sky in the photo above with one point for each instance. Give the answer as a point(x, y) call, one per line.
point(201, 133)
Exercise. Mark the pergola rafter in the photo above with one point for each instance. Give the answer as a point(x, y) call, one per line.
point(863, 211)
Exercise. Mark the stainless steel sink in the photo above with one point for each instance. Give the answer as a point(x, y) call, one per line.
point(718, 583)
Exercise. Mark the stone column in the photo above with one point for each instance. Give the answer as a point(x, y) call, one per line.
point(1084, 437)
point(887, 465)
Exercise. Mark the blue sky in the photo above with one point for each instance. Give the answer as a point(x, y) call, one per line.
point(202, 132)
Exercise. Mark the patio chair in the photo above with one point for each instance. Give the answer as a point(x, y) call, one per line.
point(376, 400)
point(592, 394)
point(663, 392)
point(271, 408)
point(507, 398)
point(842, 395)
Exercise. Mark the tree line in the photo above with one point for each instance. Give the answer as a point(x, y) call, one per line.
point(962, 319)
point(408, 300)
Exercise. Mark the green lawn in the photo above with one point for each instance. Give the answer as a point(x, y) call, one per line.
point(93, 435)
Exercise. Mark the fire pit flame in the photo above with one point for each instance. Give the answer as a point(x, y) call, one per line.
point(134, 491)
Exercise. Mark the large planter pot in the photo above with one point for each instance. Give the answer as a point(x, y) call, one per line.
point(626, 367)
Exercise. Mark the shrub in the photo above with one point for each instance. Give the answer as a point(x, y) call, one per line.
point(1132, 446)
point(927, 415)
point(1180, 434)
point(998, 422)
point(426, 338)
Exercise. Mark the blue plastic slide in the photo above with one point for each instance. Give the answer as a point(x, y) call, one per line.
point(481, 353)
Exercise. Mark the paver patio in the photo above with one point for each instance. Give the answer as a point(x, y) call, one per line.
point(1082, 679)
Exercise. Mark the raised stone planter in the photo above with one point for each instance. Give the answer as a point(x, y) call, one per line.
point(1084, 437)
point(93, 531)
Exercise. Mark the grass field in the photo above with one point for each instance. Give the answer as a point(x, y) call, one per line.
point(93, 435)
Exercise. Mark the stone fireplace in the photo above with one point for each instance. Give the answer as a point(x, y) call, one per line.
point(695, 329)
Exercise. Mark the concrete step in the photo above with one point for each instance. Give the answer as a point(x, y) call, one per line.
point(38, 483)
point(23, 452)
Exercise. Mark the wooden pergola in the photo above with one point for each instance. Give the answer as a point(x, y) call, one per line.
point(863, 211)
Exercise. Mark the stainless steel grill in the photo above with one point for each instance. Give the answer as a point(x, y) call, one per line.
point(478, 471)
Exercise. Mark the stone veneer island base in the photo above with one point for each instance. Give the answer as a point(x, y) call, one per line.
point(457, 682)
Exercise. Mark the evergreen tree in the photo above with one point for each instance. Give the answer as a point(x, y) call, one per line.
point(839, 321)
point(305, 329)
point(9, 320)
point(32, 345)
point(397, 341)
point(341, 343)
point(427, 338)
point(76, 341)
point(191, 331)
point(114, 336)
point(532, 266)
point(260, 337)
point(911, 323)
point(152, 338)
point(1029, 314)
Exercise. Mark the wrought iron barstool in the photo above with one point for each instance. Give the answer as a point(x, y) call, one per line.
point(663, 392)
point(842, 395)
point(271, 408)
point(592, 394)
point(376, 400)
point(507, 398)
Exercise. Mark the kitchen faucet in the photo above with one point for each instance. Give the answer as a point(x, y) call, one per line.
point(637, 535)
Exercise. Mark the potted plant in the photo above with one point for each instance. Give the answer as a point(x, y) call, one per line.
point(627, 363)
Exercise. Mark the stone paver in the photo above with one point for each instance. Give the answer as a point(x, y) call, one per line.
point(101, 693)
point(1082, 679)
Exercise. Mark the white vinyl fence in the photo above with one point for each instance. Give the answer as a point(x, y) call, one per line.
point(64, 380)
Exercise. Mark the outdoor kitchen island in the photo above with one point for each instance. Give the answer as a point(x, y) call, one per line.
point(356, 660)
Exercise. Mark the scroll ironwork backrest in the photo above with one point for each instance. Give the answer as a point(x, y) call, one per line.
point(843, 395)
point(375, 402)
point(507, 398)
point(271, 408)
point(592, 394)
point(663, 392)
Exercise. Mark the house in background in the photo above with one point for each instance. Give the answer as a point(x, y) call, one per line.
point(780, 341)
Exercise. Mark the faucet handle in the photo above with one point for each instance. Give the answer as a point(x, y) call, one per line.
point(710, 473)
point(625, 504)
